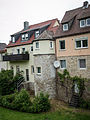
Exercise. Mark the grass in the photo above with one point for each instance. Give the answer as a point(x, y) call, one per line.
point(69, 114)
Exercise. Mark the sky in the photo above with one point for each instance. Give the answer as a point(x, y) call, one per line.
point(13, 13)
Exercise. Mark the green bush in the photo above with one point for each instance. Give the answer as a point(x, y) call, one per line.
point(84, 103)
point(40, 104)
point(22, 101)
point(8, 82)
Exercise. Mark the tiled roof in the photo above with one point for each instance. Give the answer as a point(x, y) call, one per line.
point(75, 29)
point(45, 35)
point(49, 23)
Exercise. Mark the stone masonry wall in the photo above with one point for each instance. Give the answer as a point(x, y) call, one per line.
point(72, 67)
point(45, 81)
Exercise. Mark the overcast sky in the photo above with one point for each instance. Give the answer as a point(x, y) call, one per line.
point(14, 12)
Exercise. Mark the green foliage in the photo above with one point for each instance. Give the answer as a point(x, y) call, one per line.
point(85, 103)
point(40, 104)
point(8, 82)
point(21, 102)
point(65, 77)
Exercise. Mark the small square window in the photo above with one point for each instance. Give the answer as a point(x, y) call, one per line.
point(63, 64)
point(38, 70)
point(82, 63)
point(37, 45)
point(82, 23)
point(51, 44)
point(17, 69)
point(62, 44)
point(88, 22)
point(65, 27)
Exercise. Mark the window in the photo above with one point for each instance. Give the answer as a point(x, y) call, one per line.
point(39, 70)
point(32, 69)
point(85, 22)
point(62, 44)
point(23, 50)
point(82, 23)
point(51, 44)
point(82, 43)
point(13, 39)
point(82, 63)
point(11, 67)
point(18, 51)
point(17, 69)
point(63, 64)
point(31, 48)
point(65, 27)
point(37, 34)
point(27, 74)
point(37, 45)
point(25, 37)
point(88, 22)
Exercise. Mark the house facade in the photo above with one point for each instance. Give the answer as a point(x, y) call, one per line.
point(3, 64)
point(32, 51)
point(73, 44)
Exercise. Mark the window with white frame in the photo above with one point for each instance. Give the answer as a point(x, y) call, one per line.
point(24, 36)
point(37, 45)
point(37, 33)
point(82, 63)
point(23, 50)
point(81, 43)
point(85, 22)
point(13, 39)
point(38, 70)
point(18, 51)
point(63, 64)
point(51, 44)
point(32, 69)
point(82, 23)
point(88, 22)
point(31, 48)
point(65, 27)
point(17, 69)
point(62, 44)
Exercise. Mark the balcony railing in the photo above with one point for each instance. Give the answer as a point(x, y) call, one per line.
point(16, 57)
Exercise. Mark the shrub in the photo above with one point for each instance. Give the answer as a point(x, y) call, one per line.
point(40, 103)
point(84, 103)
point(8, 82)
point(22, 101)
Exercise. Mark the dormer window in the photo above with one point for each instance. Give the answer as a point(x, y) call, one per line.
point(25, 37)
point(65, 27)
point(82, 23)
point(13, 39)
point(37, 33)
point(85, 22)
point(88, 22)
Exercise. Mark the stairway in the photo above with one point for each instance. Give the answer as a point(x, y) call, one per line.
point(75, 100)
point(20, 84)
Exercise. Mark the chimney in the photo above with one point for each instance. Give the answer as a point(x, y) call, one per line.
point(85, 4)
point(26, 25)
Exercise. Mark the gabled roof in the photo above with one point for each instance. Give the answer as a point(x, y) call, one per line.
point(2, 47)
point(47, 35)
point(76, 15)
point(49, 25)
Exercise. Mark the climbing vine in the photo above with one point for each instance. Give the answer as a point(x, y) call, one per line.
point(70, 81)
